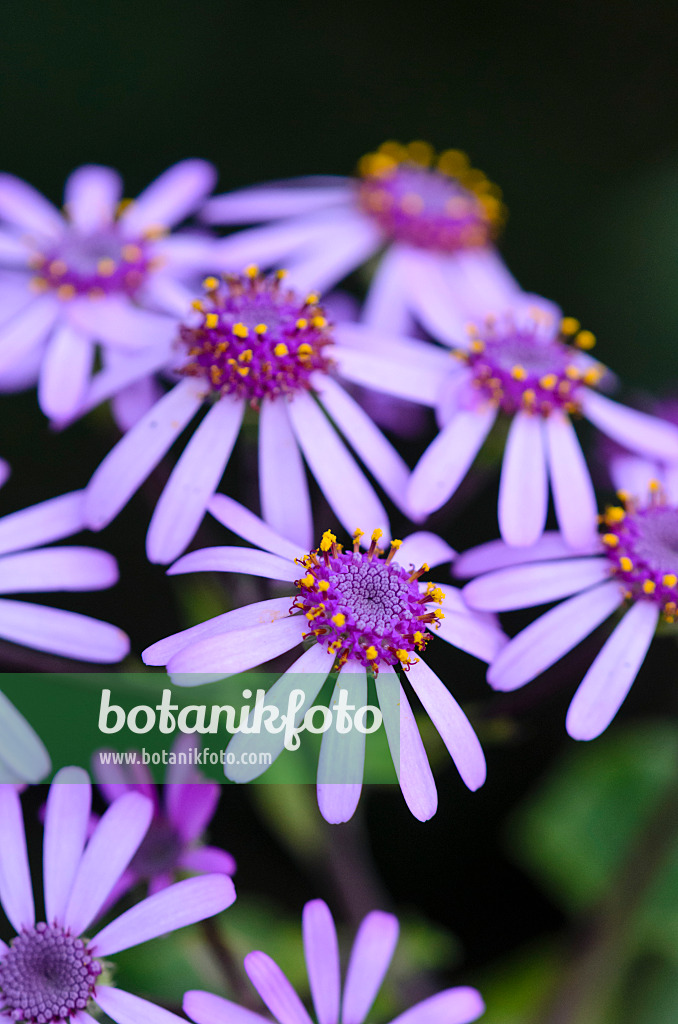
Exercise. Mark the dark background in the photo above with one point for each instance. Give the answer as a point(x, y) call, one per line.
point(570, 107)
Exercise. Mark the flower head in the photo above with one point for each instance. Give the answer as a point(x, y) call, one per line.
point(50, 971)
point(370, 958)
point(360, 614)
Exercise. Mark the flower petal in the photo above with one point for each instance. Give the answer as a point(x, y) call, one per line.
point(275, 242)
point(323, 265)
point(471, 633)
point(65, 373)
point(239, 650)
point(573, 494)
point(206, 1008)
point(431, 298)
point(91, 196)
point(61, 632)
point(606, 684)
point(124, 1008)
point(24, 206)
point(454, 727)
point(16, 894)
point(275, 989)
point(67, 818)
point(63, 568)
point(447, 460)
point(138, 452)
point(342, 754)
point(243, 560)
point(371, 956)
point(193, 481)
point(529, 585)
point(421, 547)
point(181, 904)
point(386, 305)
point(523, 488)
point(116, 322)
point(22, 752)
point(208, 860)
point(283, 487)
point(40, 524)
point(496, 554)
point(453, 1006)
point(26, 330)
point(321, 950)
point(394, 372)
point(248, 526)
point(111, 847)
point(190, 806)
point(552, 635)
point(271, 202)
point(407, 750)
point(172, 197)
point(342, 482)
point(633, 429)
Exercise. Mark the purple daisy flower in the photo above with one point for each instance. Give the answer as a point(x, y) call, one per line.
point(23, 756)
point(634, 562)
point(26, 568)
point(370, 959)
point(182, 809)
point(50, 972)
point(533, 366)
point(423, 208)
point(251, 343)
point(363, 614)
point(101, 272)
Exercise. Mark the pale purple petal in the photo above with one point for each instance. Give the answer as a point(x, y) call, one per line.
point(447, 460)
point(191, 806)
point(381, 458)
point(386, 305)
point(24, 206)
point(552, 635)
point(205, 1008)
point(276, 242)
point(453, 1006)
point(160, 652)
point(176, 194)
point(22, 752)
point(454, 727)
point(472, 634)
point(407, 750)
point(26, 330)
point(347, 490)
point(307, 674)
point(124, 1008)
point(275, 989)
point(283, 486)
point(138, 452)
point(67, 818)
point(342, 755)
point(397, 372)
point(63, 568)
point(118, 323)
point(248, 526)
point(5, 472)
point(91, 196)
point(610, 677)
point(633, 429)
point(573, 494)
point(244, 560)
point(633, 473)
point(134, 401)
point(39, 524)
point(528, 585)
point(481, 282)
point(431, 298)
point(453, 395)
point(16, 894)
point(208, 860)
point(321, 950)
point(193, 481)
point(270, 202)
point(421, 547)
point(239, 650)
point(13, 250)
point(166, 293)
point(65, 372)
point(523, 488)
point(495, 554)
point(181, 904)
point(371, 956)
point(323, 265)
point(61, 632)
point(111, 847)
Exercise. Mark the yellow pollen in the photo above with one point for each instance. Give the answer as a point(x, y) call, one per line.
point(593, 375)
point(327, 541)
point(301, 324)
point(243, 371)
point(131, 253)
point(477, 345)
point(197, 305)
point(154, 231)
point(572, 372)
point(611, 540)
point(412, 203)
point(57, 268)
point(626, 563)
point(623, 496)
point(246, 356)
point(371, 653)
point(439, 613)
point(614, 514)
point(654, 485)
point(240, 330)
point(420, 152)
point(670, 579)
point(307, 581)
point(376, 534)
point(38, 284)
point(339, 619)
point(334, 646)
point(311, 299)
point(324, 585)
point(548, 381)
point(396, 544)
point(585, 340)
point(280, 349)
point(260, 329)
point(251, 271)
point(319, 321)
point(210, 283)
point(569, 325)
point(304, 351)
point(518, 372)
point(211, 320)
point(418, 637)
point(649, 586)
point(66, 292)
point(402, 655)
point(280, 274)
point(529, 396)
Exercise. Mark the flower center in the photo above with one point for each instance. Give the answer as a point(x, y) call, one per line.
point(439, 203)
point(256, 339)
point(529, 365)
point(364, 607)
point(97, 264)
point(46, 975)
point(158, 852)
point(642, 545)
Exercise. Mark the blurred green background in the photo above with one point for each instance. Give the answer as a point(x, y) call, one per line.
point(571, 107)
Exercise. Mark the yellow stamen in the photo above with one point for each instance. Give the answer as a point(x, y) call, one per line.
point(626, 563)
point(304, 351)
point(210, 283)
point(569, 325)
point(585, 340)
point(614, 514)
point(371, 653)
point(57, 268)
point(339, 619)
point(240, 330)
point(611, 540)
point(197, 305)
point(261, 329)
point(327, 541)
point(649, 586)
point(518, 372)
point(66, 292)
point(324, 585)
point(319, 321)
point(311, 299)
point(670, 579)
point(548, 381)
point(211, 320)
point(307, 581)
point(131, 253)
point(252, 271)
point(281, 349)
point(301, 324)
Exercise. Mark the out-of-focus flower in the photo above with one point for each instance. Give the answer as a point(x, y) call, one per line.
point(26, 568)
point(182, 809)
point(370, 959)
point(102, 272)
point(634, 562)
point(631, 472)
point(48, 973)
point(420, 206)
point(23, 756)
point(251, 343)
point(364, 615)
